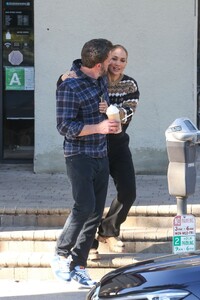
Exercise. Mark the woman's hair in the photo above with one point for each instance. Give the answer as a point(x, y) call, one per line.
point(95, 51)
point(120, 46)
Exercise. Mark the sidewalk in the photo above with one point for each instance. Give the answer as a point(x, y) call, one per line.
point(21, 188)
point(41, 290)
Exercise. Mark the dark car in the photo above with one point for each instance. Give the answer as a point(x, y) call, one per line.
point(169, 277)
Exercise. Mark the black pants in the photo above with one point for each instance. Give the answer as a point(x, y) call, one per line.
point(89, 180)
point(123, 173)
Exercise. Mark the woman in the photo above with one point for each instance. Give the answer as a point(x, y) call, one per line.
point(123, 93)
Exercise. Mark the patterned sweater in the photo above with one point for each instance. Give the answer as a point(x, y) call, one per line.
point(125, 95)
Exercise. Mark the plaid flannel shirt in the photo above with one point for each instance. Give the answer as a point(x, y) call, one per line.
point(77, 104)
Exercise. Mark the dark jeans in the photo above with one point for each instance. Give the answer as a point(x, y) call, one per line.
point(89, 180)
point(123, 174)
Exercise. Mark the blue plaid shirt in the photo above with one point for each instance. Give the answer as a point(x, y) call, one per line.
point(78, 105)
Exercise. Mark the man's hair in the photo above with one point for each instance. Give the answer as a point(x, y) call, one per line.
point(95, 51)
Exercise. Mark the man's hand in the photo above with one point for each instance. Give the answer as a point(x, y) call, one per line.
point(104, 127)
point(109, 126)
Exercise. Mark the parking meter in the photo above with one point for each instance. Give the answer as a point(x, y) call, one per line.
point(182, 137)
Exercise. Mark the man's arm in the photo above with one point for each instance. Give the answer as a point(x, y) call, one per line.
point(67, 110)
point(104, 127)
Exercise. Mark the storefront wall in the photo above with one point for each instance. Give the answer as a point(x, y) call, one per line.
point(161, 39)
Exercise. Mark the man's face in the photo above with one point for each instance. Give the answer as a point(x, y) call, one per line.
point(104, 65)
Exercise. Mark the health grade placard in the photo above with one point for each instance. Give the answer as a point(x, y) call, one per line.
point(19, 78)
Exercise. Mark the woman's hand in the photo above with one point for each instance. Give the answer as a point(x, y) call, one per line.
point(68, 74)
point(103, 105)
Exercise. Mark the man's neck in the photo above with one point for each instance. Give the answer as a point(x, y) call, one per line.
point(91, 72)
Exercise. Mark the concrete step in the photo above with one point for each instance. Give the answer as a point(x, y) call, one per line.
point(148, 240)
point(28, 238)
point(42, 239)
point(52, 218)
point(36, 266)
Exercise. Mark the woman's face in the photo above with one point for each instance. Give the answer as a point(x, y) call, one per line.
point(118, 61)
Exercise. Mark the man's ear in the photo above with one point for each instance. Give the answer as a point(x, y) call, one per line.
point(98, 66)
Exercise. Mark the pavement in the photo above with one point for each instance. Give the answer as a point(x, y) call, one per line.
point(21, 188)
point(41, 290)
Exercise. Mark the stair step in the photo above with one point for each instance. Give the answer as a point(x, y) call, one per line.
point(126, 234)
point(44, 234)
point(28, 238)
point(24, 266)
point(153, 216)
point(153, 240)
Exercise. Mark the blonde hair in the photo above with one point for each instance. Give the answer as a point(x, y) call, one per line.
point(120, 46)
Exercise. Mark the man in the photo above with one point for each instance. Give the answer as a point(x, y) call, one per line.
point(124, 94)
point(85, 149)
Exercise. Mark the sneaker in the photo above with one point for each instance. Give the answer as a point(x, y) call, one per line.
point(61, 267)
point(80, 275)
point(93, 254)
point(114, 243)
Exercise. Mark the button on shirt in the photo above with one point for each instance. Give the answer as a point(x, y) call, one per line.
point(78, 105)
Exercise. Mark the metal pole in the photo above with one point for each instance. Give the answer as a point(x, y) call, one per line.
point(181, 205)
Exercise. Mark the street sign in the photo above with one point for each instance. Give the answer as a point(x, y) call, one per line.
point(184, 233)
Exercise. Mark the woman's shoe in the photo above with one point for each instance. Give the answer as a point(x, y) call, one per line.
point(114, 243)
point(93, 254)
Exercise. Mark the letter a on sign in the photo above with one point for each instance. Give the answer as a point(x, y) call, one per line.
point(15, 80)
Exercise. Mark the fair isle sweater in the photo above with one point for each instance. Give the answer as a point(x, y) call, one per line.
point(125, 95)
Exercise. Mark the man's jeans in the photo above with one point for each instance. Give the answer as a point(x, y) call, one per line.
point(89, 180)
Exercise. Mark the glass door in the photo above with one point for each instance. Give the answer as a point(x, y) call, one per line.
point(18, 80)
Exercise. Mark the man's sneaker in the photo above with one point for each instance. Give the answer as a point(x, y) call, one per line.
point(80, 275)
point(61, 267)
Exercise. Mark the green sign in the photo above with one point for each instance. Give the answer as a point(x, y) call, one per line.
point(176, 241)
point(15, 79)
point(184, 244)
point(19, 78)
